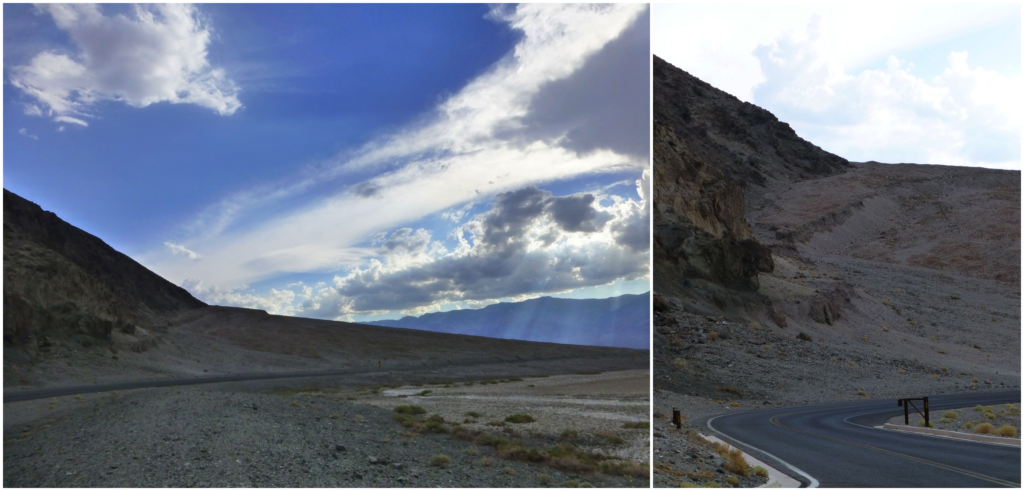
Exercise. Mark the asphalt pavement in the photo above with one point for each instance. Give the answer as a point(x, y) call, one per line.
point(837, 445)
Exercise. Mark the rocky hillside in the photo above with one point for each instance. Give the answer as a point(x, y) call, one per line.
point(63, 283)
point(710, 150)
point(895, 277)
point(622, 321)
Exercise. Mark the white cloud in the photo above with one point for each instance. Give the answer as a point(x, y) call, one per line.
point(965, 116)
point(181, 250)
point(278, 302)
point(454, 157)
point(24, 132)
point(158, 54)
point(69, 119)
point(529, 243)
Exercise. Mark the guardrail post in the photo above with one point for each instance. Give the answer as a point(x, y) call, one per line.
point(926, 423)
point(677, 418)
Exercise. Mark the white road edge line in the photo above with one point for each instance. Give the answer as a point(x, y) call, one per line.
point(813, 482)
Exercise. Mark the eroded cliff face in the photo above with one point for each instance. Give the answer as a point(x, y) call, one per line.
point(714, 156)
point(61, 282)
point(700, 229)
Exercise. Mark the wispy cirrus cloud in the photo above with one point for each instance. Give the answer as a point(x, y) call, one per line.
point(156, 54)
point(467, 151)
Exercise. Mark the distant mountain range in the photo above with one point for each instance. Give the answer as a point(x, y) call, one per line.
point(622, 321)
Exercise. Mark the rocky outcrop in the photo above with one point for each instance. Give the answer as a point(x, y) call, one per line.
point(826, 308)
point(62, 282)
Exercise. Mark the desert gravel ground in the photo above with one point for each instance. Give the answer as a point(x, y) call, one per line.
point(244, 435)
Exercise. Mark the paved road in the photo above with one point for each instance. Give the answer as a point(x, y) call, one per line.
point(836, 445)
point(514, 366)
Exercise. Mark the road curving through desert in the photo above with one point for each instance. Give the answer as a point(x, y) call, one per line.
point(837, 445)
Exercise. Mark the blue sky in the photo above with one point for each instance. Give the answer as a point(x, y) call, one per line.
point(342, 161)
point(925, 83)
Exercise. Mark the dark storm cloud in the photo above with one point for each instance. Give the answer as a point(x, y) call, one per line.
point(604, 104)
point(514, 253)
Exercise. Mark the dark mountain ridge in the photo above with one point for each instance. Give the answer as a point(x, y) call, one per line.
point(60, 281)
point(622, 321)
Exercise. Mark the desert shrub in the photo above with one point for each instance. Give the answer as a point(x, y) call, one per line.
point(473, 414)
point(729, 389)
point(852, 363)
point(637, 425)
point(440, 460)
point(735, 404)
point(436, 418)
point(760, 471)
point(950, 415)
point(945, 421)
point(968, 425)
point(1008, 430)
point(984, 428)
point(913, 323)
point(754, 325)
point(901, 371)
point(425, 392)
point(572, 483)
point(933, 377)
point(570, 463)
point(702, 475)
point(489, 440)
point(732, 480)
point(471, 451)
point(358, 418)
point(942, 351)
point(410, 409)
point(930, 424)
point(510, 471)
point(736, 463)
point(990, 416)
point(520, 418)
point(689, 485)
point(862, 393)
point(944, 370)
point(518, 452)
point(1012, 410)
point(712, 335)
point(495, 423)
point(624, 468)
point(570, 434)
point(486, 462)
point(712, 484)
point(974, 381)
point(586, 484)
point(610, 438)
point(544, 479)
point(463, 434)
point(680, 363)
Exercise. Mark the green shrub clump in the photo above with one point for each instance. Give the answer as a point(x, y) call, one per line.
point(410, 409)
point(519, 418)
point(440, 460)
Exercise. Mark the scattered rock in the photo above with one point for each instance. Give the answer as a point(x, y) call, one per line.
point(804, 337)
